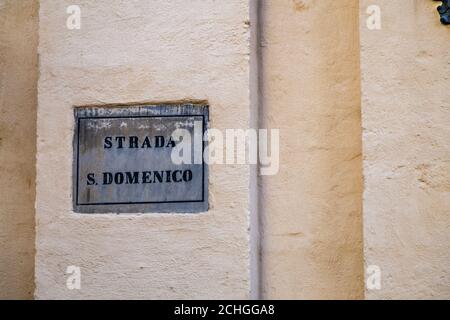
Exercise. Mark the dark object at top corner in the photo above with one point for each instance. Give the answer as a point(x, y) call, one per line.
point(444, 11)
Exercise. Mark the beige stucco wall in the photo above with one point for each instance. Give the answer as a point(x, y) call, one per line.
point(142, 51)
point(18, 95)
point(311, 87)
point(406, 120)
point(311, 210)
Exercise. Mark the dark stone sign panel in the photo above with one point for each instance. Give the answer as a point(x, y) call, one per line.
point(123, 159)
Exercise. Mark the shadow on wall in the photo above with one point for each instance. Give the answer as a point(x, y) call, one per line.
point(18, 101)
point(312, 217)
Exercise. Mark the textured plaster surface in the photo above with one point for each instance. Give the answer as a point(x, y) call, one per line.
point(406, 120)
point(18, 95)
point(312, 231)
point(142, 51)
